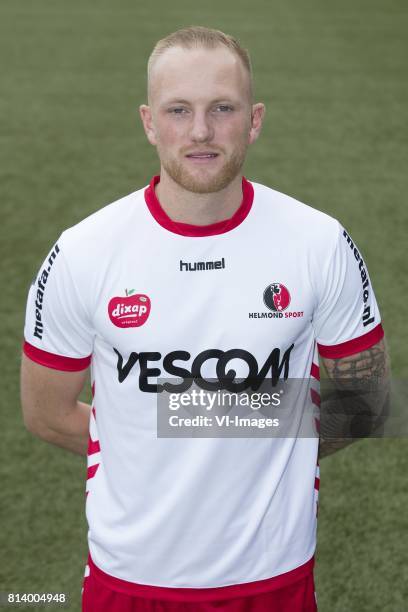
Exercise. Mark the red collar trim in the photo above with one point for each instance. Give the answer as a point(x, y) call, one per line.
point(185, 229)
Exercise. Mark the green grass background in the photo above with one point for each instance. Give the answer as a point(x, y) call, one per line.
point(333, 77)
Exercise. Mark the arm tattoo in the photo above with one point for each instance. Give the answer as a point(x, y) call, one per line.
point(357, 403)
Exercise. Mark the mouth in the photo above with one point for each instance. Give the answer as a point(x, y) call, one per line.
point(204, 155)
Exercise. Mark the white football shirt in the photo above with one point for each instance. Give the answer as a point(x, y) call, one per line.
point(141, 297)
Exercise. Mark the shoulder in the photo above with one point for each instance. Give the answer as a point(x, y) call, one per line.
point(297, 223)
point(284, 207)
point(89, 250)
point(107, 226)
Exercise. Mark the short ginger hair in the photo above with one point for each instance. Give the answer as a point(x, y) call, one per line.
point(200, 36)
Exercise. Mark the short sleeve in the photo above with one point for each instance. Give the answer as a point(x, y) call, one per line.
point(346, 320)
point(57, 332)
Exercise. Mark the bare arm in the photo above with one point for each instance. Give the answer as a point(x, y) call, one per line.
point(51, 409)
point(359, 402)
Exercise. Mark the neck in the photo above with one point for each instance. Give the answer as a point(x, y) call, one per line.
point(198, 208)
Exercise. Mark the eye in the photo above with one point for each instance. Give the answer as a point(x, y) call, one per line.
point(178, 110)
point(223, 108)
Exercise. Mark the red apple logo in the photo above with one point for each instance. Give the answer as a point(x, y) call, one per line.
point(130, 311)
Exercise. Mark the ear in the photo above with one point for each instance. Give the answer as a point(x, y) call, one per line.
point(257, 115)
point(148, 124)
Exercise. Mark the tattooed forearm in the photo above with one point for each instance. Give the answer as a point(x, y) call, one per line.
point(371, 365)
point(358, 402)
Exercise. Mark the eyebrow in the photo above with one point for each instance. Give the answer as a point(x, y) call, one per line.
point(176, 101)
point(216, 101)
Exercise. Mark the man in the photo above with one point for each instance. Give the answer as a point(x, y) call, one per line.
point(169, 281)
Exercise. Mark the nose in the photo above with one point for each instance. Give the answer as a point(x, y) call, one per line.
point(201, 128)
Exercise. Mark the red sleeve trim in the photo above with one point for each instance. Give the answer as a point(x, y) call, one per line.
point(56, 362)
point(345, 349)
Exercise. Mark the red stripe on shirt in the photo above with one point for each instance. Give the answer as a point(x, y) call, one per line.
point(92, 471)
point(315, 397)
point(56, 362)
point(315, 371)
point(93, 447)
point(351, 347)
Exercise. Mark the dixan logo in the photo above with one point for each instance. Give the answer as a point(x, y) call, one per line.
point(186, 266)
point(367, 318)
point(41, 283)
point(130, 311)
point(276, 298)
point(225, 377)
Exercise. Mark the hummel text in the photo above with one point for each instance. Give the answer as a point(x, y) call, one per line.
point(186, 266)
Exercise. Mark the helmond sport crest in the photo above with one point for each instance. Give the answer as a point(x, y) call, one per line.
point(276, 297)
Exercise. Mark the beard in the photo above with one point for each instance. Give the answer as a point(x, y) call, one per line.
point(208, 182)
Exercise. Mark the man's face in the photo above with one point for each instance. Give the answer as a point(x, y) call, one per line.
point(200, 116)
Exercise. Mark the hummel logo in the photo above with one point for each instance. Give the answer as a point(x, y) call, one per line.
point(202, 265)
